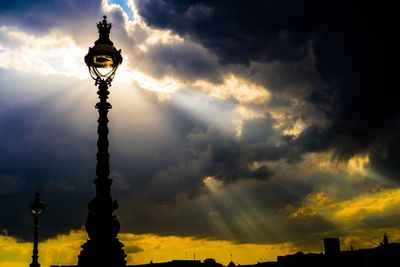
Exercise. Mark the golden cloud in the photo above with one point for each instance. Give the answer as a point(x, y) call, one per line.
point(52, 53)
point(242, 90)
point(64, 249)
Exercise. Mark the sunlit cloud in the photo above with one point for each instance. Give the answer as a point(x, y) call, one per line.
point(212, 184)
point(288, 125)
point(61, 250)
point(236, 88)
point(358, 164)
point(51, 53)
point(157, 36)
point(326, 162)
point(206, 109)
point(141, 249)
point(293, 119)
point(349, 215)
point(162, 249)
point(166, 85)
point(241, 114)
point(362, 207)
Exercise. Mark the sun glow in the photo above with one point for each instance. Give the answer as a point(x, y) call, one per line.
point(52, 53)
point(165, 85)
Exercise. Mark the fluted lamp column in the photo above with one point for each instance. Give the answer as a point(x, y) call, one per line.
point(103, 247)
point(36, 208)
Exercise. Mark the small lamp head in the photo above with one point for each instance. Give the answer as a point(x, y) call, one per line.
point(37, 206)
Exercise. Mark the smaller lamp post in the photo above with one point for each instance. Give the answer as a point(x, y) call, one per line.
point(36, 208)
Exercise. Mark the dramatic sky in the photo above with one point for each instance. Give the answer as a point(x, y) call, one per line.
point(247, 127)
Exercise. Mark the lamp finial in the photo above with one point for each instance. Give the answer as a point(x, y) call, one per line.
point(104, 32)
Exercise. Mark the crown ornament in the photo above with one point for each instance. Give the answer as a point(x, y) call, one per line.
point(104, 32)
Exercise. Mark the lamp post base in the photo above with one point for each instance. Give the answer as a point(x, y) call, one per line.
point(95, 254)
point(103, 247)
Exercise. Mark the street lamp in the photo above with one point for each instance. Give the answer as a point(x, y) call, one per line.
point(103, 58)
point(103, 247)
point(36, 208)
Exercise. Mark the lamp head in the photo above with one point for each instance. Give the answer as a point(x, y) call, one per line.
point(37, 206)
point(103, 58)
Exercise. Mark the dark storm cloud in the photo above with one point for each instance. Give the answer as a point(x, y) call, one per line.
point(353, 58)
point(173, 191)
point(328, 53)
point(16, 5)
point(386, 156)
point(10, 184)
point(325, 52)
point(236, 31)
point(43, 15)
point(40, 149)
point(219, 155)
point(349, 41)
point(249, 211)
point(187, 62)
point(68, 18)
point(287, 79)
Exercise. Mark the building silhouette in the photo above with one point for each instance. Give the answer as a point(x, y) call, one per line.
point(331, 246)
point(386, 254)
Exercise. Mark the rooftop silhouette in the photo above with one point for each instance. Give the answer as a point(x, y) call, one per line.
point(386, 254)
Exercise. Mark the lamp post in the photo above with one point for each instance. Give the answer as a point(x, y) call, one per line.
point(36, 208)
point(103, 247)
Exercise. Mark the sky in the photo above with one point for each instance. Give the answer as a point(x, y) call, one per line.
point(251, 128)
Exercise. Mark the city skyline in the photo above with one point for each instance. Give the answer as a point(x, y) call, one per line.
point(238, 127)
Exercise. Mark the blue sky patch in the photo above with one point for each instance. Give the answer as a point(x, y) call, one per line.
point(124, 5)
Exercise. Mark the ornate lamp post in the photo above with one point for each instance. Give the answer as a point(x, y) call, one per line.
point(103, 247)
point(36, 208)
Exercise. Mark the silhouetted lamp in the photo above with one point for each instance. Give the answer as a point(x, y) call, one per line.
point(103, 247)
point(36, 208)
point(103, 58)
